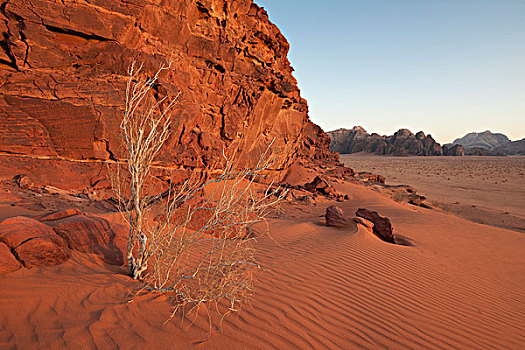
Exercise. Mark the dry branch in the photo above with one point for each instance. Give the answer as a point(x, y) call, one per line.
point(180, 241)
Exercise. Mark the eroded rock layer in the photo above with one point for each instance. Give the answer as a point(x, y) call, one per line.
point(63, 68)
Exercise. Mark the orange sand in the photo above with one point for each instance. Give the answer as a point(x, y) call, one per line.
point(461, 286)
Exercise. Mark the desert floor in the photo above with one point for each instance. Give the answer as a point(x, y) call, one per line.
point(488, 190)
point(462, 285)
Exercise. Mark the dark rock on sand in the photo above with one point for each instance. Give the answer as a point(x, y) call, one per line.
point(335, 217)
point(382, 227)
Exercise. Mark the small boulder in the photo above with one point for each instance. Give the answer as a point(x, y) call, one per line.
point(335, 217)
point(8, 262)
point(33, 243)
point(382, 227)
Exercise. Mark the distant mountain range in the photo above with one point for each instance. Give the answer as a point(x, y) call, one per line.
point(402, 143)
point(405, 143)
point(490, 144)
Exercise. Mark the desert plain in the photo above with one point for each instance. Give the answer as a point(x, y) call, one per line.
point(460, 284)
point(488, 190)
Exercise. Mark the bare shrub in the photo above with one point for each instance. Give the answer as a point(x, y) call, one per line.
point(193, 238)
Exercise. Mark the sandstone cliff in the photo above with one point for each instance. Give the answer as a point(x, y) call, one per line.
point(402, 143)
point(63, 66)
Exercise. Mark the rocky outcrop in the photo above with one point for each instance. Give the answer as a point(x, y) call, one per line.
point(90, 234)
point(63, 68)
point(33, 243)
point(453, 150)
point(49, 239)
point(402, 143)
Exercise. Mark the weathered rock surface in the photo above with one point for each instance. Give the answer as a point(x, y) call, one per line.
point(58, 215)
point(90, 234)
point(382, 227)
point(335, 217)
point(477, 151)
point(453, 150)
point(402, 143)
point(8, 262)
point(63, 67)
point(33, 243)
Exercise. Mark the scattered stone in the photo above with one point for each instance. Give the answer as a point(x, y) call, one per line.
point(307, 199)
point(335, 217)
point(340, 172)
point(370, 177)
point(320, 186)
point(8, 262)
point(382, 226)
point(32, 242)
point(23, 181)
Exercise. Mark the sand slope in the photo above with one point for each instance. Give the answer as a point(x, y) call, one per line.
point(461, 286)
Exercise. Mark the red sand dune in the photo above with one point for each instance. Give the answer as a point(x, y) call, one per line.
point(460, 286)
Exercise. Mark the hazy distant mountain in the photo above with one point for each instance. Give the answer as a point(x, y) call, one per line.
point(486, 140)
point(490, 144)
point(511, 149)
point(402, 143)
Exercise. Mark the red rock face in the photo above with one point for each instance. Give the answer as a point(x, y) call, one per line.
point(63, 70)
point(93, 235)
point(33, 243)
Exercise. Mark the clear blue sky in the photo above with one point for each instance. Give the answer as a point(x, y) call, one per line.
point(446, 67)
